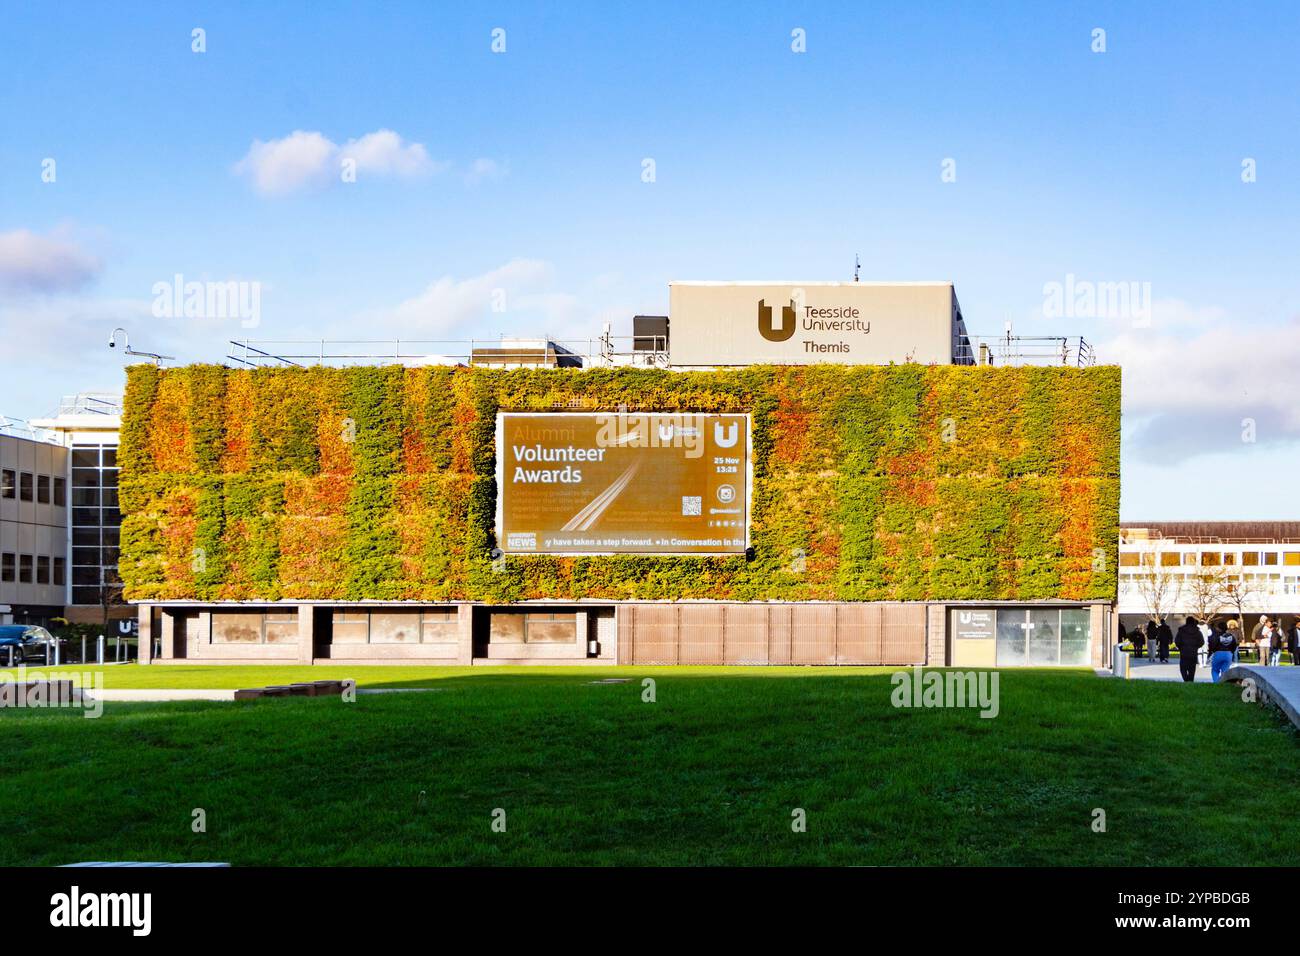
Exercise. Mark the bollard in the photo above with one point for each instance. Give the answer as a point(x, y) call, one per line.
point(99, 650)
point(57, 642)
point(12, 651)
point(83, 649)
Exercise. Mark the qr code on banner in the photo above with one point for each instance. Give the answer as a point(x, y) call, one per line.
point(690, 504)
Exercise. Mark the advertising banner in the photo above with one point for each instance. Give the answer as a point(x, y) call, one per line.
point(608, 483)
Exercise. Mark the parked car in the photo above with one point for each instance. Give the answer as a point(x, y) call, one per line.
point(24, 642)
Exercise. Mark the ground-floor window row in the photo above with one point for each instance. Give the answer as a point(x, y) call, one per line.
point(645, 633)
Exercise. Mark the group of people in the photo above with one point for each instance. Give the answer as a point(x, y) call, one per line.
point(1221, 641)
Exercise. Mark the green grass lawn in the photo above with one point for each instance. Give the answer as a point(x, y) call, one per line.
point(708, 774)
point(233, 677)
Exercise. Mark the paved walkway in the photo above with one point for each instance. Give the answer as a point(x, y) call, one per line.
point(156, 694)
point(1278, 684)
point(1140, 668)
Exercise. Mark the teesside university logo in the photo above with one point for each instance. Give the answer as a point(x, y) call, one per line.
point(770, 332)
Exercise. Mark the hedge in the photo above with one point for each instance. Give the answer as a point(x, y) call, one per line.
point(902, 482)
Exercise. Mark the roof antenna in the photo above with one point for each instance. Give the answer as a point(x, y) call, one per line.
point(857, 264)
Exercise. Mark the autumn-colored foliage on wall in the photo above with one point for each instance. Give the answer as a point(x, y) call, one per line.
point(901, 482)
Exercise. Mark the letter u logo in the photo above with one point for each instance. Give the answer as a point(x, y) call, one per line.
point(725, 438)
point(765, 327)
point(665, 432)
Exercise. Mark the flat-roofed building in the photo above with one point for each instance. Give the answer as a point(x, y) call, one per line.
point(1176, 568)
point(87, 426)
point(33, 524)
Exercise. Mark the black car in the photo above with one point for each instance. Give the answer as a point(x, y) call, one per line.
point(24, 642)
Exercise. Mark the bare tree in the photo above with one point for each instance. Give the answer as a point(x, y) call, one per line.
point(1208, 594)
point(1160, 587)
point(1242, 595)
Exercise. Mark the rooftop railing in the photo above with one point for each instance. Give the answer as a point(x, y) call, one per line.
point(1065, 350)
point(91, 403)
point(20, 428)
point(603, 352)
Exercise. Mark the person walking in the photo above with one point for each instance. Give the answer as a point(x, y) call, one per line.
point(1140, 641)
point(1234, 631)
point(1293, 641)
point(1221, 645)
point(1188, 641)
point(1263, 635)
point(1165, 637)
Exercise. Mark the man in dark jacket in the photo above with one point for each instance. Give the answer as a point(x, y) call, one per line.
point(1139, 637)
point(1164, 637)
point(1188, 641)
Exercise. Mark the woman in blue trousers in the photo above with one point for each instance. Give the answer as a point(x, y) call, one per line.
point(1221, 645)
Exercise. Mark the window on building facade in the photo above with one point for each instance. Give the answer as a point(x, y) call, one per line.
point(351, 627)
point(60, 492)
point(42, 489)
point(60, 572)
point(280, 627)
point(550, 628)
point(1250, 558)
point(1042, 637)
point(1170, 559)
point(42, 569)
point(8, 483)
point(432, 625)
point(24, 486)
point(96, 522)
point(8, 567)
point(24, 569)
point(1211, 559)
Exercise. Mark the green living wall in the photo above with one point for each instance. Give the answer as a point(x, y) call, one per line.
point(901, 482)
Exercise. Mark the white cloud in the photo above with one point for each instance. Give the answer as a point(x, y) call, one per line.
point(383, 152)
point(486, 301)
point(33, 263)
point(310, 159)
point(284, 165)
point(517, 299)
point(483, 168)
point(1198, 392)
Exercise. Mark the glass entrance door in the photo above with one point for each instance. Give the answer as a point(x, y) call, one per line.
point(1043, 637)
point(1012, 638)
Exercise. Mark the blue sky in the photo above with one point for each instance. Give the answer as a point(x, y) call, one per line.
point(522, 170)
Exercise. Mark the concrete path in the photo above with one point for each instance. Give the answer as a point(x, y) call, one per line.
point(1278, 684)
point(1143, 669)
point(132, 693)
point(163, 694)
